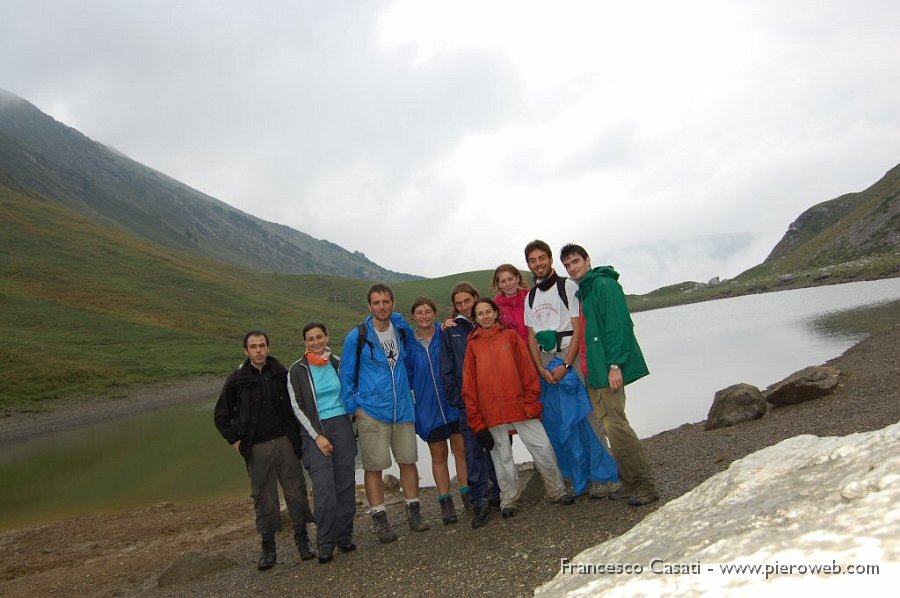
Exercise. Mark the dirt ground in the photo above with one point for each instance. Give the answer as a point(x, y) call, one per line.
point(124, 554)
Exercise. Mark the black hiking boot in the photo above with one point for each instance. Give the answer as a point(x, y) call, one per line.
point(304, 547)
point(268, 558)
point(482, 515)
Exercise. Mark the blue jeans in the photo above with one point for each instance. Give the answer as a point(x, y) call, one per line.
point(483, 482)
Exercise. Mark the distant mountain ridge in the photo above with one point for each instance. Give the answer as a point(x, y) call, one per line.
point(849, 238)
point(850, 227)
point(49, 159)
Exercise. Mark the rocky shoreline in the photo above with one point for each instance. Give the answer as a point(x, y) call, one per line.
point(125, 553)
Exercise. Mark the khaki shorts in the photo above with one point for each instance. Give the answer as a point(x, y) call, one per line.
point(377, 440)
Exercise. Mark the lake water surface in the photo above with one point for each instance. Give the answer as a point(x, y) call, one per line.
point(692, 351)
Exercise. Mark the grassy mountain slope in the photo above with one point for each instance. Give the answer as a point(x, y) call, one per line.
point(92, 309)
point(85, 307)
point(439, 289)
point(855, 226)
point(57, 162)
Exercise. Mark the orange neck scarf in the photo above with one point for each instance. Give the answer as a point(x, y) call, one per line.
point(319, 360)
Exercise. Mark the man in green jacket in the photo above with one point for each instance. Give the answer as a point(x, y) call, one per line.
point(614, 359)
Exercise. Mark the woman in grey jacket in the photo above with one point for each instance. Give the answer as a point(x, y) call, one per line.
point(328, 444)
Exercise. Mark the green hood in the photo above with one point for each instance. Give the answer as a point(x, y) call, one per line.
point(593, 276)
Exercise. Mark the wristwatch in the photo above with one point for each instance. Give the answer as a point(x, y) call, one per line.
point(567, 365)
point(613, 367)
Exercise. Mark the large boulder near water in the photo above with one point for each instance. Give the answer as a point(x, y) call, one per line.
point(807, 384)
point(807, 502)
point(736, 404)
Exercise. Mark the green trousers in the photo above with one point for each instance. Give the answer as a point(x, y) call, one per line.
point(626, 447)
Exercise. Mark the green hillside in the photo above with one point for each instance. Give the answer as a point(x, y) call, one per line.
point(88, 308)
point(439, 289)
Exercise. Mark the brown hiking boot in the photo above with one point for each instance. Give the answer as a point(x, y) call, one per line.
point(383, 527)
point(414, 517)
point(448, 511)
point(602, 489)
point(622, 492)
point(643, 496)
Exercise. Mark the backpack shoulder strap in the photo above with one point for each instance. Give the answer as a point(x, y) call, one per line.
point(362, 338)
point(561, 289)
point(531, 295)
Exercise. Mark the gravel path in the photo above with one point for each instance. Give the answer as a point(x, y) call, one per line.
point(123, 554)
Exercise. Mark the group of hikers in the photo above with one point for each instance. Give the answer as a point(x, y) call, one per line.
point(547, 363)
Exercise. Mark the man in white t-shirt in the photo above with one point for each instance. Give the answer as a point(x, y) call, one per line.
point(553, 318)
point(551, 314)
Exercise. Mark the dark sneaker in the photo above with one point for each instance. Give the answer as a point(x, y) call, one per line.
point(414, 517)
point(346, 545)
point(326, 554)
point(643, 496)
point(565, 500)
point(448, 511)
point(482, 516)
point(507, 512)
point(304, 547)
point(383, 527)
point(622, 492)
point(268, 558)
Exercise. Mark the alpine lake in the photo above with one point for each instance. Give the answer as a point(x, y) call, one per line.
point(176, 455)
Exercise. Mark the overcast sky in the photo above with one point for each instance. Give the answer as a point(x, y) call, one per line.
point(440, 137)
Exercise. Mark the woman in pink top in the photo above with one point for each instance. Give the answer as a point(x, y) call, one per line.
point(512, 292)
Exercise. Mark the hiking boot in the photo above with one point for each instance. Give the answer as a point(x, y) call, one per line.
point(268, 558)
point(643, 496)
point(346, 545)
point(602, 489)
point(448, 511)
point(565, 500)
point(622, 492)
point(466, 502)
point(383, 527)
point(482, 516)
point(326, 554)
point(507, 512)
point(414, 517)
point(304, 547)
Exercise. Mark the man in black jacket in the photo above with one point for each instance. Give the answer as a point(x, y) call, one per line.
point(254, 415)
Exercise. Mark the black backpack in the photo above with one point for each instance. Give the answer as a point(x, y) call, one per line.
point(560, 288)
point(363, 339)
